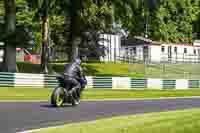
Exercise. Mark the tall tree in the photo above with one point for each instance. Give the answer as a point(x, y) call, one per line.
point(73, 26)
point(42, 9)
point(2, 14)
point(26, 28)
point(174, 20)
point(81, 17)
point(96, 18)
point(9, 64)
point(135, 15)
point(162, 20)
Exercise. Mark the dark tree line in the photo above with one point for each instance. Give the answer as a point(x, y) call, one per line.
point(77, 24)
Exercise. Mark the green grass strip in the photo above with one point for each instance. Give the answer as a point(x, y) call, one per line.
point(9, 93)
point(186, 121)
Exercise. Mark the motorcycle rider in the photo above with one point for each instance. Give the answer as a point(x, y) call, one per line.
point(72, 76)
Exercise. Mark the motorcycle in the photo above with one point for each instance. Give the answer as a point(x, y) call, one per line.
point(60, 94)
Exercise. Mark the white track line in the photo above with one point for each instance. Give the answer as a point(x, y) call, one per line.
point(39, 129)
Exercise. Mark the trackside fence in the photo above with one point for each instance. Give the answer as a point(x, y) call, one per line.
point(49, 81)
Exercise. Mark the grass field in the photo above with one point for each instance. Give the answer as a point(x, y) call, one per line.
point(102, 94)
point(173, 71)
point(167, 71)
point(91, 69)
point(186, 121)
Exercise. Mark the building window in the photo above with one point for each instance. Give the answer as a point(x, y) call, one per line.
point(163, 48)
point(185, 50)
point(175, 50)
point(126, 50)
point(134, 50)
point(195, 52)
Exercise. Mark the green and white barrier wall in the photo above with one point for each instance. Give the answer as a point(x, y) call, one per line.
point(41, 80)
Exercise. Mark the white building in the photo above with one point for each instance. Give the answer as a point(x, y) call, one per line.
point(142, 49)
point(112, 43)
point(147, 50)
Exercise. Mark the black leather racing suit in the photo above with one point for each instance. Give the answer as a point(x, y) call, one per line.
point(72, 76)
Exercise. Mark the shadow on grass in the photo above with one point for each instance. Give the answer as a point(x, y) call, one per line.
point(89, 70)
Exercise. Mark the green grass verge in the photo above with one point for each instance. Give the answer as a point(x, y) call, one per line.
point(10, 93)
point(167, 71)
point(187, 121)
point(101, 94)
point(91, 69)
point(112, 69)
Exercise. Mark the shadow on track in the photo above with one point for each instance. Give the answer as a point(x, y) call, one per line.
point(51, 106)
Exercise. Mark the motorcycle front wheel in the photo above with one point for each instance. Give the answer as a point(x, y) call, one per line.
point(57, 97)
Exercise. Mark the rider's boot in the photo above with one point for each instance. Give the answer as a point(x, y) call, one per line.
point(73, 98)
point(76, 100)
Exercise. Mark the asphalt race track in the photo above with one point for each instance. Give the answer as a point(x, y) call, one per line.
point(16, 117)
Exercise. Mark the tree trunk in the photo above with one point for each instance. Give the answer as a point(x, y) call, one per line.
point(67, 33)
point(9, 63)
point(75, 28)
point(45, 45)
point(75, 36)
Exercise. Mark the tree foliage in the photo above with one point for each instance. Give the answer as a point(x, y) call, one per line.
point(97, 15)
point(68, 21)
point(174, 20)
point(161, 20)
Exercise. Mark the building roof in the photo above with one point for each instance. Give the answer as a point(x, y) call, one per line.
point(138, 40)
